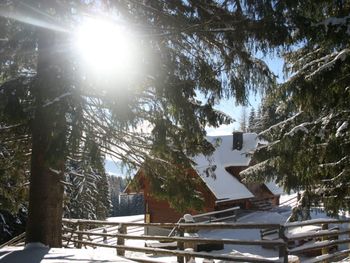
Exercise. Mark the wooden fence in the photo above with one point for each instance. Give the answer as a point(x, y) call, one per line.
point(78, 233)
point(320, 240)
point(324, 237)
point(313, 237)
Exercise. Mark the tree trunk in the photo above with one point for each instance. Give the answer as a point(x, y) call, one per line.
point(48, 146)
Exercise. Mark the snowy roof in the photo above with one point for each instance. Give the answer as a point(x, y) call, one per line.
point(224, 155)
point(224, 185)
point(274, 188)
point(221, 183)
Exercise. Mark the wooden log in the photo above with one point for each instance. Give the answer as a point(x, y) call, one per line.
point(216, 212)
point(317, 222)
point(318, 245)
point(277, 242)
point(122, 229)
point(221, 219)
point(104, 237)
point(13, 240)
point(329, 257)
point(321, 233)
point(283, 253)
point(180, 246)
point(189, 259)
point(183, 225)
point(211, 226)
point(80, 235)
point(324, 250)
point(97, 234)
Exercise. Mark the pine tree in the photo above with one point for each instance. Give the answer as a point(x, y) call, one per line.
point(13, 175)
point(191, 47)
point(258, 121)
point(117, 185)
point(87, 193)
point(272, 112)
point(252, 120)
point(243, 120)
point(309, 149)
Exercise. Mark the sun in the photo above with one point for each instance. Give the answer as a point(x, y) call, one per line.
point(104, 46)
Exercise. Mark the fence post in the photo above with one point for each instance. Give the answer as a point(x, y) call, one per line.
point(283, 250)
point(190, 232)
point(104, 231)
point(180, 245)
point(80, 235)
point(189, 259)
point(325, 249)
point(120, 240)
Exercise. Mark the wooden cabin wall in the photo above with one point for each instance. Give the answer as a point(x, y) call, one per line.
point(159, 211)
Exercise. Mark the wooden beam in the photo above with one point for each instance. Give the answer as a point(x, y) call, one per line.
point(317, 245)
point(277, 242)
point(317, 222)
point(159, 251)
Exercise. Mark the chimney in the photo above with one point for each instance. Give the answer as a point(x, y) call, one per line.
point(237, 140)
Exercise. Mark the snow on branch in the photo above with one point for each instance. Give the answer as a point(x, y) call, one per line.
point(338, 176)
point(278, 125)
point(338, 56)
point(57, 172)
point(57, 99)
point(254, 171)
point(340, 162)
point(341, 129)
point(76, 174)
point(3, 128)
point(66, 183)
point(315, 61)
point(298, 128)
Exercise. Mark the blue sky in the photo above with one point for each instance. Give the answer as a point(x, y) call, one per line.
point(228, 106)
point(113, 169)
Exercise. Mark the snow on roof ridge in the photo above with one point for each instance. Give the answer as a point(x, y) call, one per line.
point(224, 155)
point(212, 169)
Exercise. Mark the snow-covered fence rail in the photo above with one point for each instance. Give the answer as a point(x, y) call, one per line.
point(182, 242)
point(290, 201)
point(321, 238)
point(14, 241)
point(230, 213)
point(209, 217)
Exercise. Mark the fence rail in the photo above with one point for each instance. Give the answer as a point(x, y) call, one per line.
point(210, 217)
point(289, 201)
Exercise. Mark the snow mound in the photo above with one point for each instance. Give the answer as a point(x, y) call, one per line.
point(35, 245)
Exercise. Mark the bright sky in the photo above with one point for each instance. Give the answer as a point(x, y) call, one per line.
point(229, 107)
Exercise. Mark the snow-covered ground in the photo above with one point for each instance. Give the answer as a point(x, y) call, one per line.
point(35, 253)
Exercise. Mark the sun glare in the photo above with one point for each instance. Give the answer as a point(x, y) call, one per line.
point(104, 46)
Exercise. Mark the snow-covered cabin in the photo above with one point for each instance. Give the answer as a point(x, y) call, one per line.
point(222, 187)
